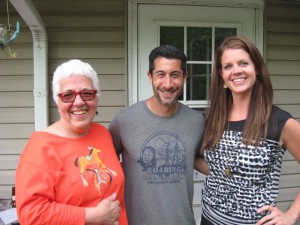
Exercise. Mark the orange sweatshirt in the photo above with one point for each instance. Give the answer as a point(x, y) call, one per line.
point(58, 177)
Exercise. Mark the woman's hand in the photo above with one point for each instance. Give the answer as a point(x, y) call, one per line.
point(275, 216)
point(106, 212)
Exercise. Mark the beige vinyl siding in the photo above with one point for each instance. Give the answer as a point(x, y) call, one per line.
point(16, 102)
point(283, 60)
point(91, 30)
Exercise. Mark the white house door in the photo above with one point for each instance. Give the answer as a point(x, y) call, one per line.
point(197, 29)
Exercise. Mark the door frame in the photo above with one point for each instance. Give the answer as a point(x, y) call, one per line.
point(132, 27)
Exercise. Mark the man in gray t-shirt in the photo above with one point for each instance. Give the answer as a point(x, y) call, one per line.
point(158, 139)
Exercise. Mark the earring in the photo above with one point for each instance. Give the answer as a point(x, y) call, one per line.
point(224, 86)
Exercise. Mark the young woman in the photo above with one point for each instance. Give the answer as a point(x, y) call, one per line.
point(244, 141)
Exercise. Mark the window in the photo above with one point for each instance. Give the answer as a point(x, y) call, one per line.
point(199, 44)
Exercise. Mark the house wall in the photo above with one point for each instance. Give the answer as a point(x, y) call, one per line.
point(90, 30)
point(94, 30)
point(283, 61)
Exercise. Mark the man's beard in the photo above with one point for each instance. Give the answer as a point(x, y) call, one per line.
point(168, 102)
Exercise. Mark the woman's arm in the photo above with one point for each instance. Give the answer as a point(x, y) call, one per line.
point(276, 216)
point(201, 165)
point(290, 138)
point(36, 202)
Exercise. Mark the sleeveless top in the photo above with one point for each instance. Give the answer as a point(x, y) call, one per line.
point(243, 178)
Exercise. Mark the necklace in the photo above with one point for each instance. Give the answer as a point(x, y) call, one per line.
point(227, 170)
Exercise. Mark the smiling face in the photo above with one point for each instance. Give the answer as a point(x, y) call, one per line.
point(76, 117)
point(167, 81)
point(238, 71)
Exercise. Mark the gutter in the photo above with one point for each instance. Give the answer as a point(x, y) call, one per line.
point(32, 18)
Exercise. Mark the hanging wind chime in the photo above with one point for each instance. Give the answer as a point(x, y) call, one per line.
point(7, 35)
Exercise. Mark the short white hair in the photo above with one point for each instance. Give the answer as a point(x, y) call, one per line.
point(73, 67)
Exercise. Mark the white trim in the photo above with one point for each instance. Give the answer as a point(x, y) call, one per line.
point(133, 23)
point(259, 36)
point(132, 53)
point(40, 51)
point(235, 3)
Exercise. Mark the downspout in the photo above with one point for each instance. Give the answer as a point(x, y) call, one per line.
point(40, 52)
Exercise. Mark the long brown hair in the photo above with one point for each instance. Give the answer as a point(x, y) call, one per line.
point(221, 99)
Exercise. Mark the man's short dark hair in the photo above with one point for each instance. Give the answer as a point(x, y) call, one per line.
point(169, 52)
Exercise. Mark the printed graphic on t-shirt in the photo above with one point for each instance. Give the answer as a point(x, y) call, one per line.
point(91, 166)
point(163, 158)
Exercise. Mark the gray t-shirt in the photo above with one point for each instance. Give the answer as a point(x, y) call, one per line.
point(158, 161)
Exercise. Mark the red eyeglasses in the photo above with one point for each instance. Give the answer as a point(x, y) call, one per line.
point(70, 96)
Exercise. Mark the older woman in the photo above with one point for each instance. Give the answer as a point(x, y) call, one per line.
point(69, 173)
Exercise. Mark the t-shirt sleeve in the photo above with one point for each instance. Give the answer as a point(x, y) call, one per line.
point(35, 195)
point(114, 129)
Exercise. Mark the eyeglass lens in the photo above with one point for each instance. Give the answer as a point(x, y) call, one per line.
point(69, 97)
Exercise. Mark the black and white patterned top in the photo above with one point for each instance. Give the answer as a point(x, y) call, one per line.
point(254, 177)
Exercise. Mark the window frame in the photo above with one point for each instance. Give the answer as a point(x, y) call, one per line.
point(197, 104)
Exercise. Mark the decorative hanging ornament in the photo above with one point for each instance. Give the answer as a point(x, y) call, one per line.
point(7, 35)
